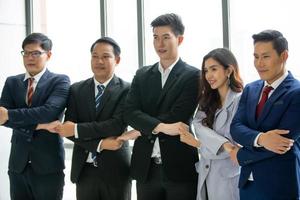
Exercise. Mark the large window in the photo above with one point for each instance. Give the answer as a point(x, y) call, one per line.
point(203, 27)
point(122, 26)
point(252, 16)
point(73, 26)
point(72, 30)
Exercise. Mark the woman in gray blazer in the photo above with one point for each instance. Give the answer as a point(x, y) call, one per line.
point(221, 86)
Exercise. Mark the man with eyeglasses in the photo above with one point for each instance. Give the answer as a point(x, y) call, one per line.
point(28, 102)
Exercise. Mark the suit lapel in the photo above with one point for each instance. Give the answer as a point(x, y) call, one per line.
point(109, 90)
point(279, 91)
point(23, 91)
point(222, 114)
point(42, 85)
point(153, 84)
point(254, 94)
point(89, 95)
point(173, 76)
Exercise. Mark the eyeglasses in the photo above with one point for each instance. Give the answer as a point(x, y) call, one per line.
point(34, 54)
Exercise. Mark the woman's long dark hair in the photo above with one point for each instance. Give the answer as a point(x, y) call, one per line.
point(210, 99)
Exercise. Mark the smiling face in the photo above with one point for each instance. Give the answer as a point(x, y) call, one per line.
point(103, 61)
point(215, 74)
point(166, 44)
point(269, 65)
point(35, 58)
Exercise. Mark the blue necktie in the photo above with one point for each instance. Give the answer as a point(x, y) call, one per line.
point(98, 96)
point(97, 102)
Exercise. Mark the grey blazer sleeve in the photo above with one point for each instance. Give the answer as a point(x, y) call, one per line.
point(211, 142)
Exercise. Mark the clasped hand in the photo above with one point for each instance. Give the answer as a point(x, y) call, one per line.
point(275, 141)
point(63, 129)
point(3, 115)
point(171, 129)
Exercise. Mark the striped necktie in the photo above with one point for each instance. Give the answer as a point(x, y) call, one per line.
point(98, 96)
point(97, 102)
point(30, 91)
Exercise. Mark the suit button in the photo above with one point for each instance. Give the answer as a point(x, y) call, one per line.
point(28, 140)
point(152, 141)
point(206, 166)
point(86, 151)
point(149, 137)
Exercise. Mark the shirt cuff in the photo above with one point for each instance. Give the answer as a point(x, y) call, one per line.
point(256, 140)
point(76, 132)
point(99, 147)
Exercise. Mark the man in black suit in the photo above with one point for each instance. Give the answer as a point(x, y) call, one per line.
point(28, 101)
point(161, 101)
point(93, 120)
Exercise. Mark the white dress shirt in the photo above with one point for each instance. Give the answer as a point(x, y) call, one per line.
point(37, 77)
point(164, 77)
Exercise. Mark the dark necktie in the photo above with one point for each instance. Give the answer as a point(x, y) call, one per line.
point(98, 96)
point(30, 91)
point(264, 98)
point(97, 102)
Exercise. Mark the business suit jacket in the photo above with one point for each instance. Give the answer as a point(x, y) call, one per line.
point(44, 150)
point(148, 104)
point(276, 176)
point(113, 166)
point(215, 168)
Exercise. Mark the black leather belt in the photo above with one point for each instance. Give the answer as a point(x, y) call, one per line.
point(156, 160)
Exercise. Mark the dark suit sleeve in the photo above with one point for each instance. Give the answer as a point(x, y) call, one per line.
point(7, 101)
point(246, 156)
point(90, 145)
point(289, 121)
point(28, 118)
point(71, 110)
point(6, 96)
point(134, 116)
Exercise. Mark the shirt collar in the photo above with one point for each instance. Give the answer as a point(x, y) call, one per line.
point(169, 69)
point(36, 77)
point(104, 84)
point(276, 83)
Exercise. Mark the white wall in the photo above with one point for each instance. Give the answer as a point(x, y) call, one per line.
point(12, 33)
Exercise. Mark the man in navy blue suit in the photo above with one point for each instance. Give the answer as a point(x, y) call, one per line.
point(28, 102)
point(267, 125)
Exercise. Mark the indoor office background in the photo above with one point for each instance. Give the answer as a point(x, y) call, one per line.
point(74, 25)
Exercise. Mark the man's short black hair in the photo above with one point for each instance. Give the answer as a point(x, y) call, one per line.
point(117, 49)
point(279, 42)
point(172, 20)
point(38, 38)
